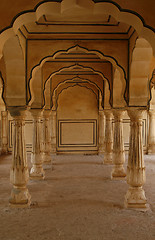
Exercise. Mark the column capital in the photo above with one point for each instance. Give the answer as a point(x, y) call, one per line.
point(4, 113)
point(151, 113)
point(118, 113)
point(36, 113)
point(136, 114)
point(47, 113)
point(18, 112)
point(108, 113)
point(101, 112)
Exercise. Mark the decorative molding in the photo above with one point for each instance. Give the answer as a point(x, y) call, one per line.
point(77, 121)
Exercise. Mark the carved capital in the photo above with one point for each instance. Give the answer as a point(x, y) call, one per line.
point(136, 114)
point(36, 113)
point(108, 114)
point(18, 112)
point(47, 113)
point(118, 114)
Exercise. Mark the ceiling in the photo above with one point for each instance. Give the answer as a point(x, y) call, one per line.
point(9, 11)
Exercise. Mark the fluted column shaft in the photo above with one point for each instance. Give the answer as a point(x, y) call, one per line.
point(101, 132)
point(53, 132)
point(118, 146)
point(4, 117)
point(47, 137)
point(19, 173)
point(37, 171)
point(151, 134)
point(135, 197)
point(108, 141)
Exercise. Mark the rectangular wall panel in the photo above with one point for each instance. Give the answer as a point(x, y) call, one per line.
point(77, 133)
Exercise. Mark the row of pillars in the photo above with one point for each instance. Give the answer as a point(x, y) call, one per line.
point(113, 153)
point(112, 145)
point(43, 144)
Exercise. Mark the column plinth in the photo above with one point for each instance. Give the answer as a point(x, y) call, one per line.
point(19, 173)
point(37, 171)
point(108, 141)
point(118, 171)
point(135, 197)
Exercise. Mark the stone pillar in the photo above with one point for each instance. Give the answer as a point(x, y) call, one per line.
point(135, 197)
point(118, 146)
point(108, 140)
point(47, 137)
point(37, 171)
point(19, 173)
point(53, 132)
point(101, 132)
point(151, 133)
point(4, 119)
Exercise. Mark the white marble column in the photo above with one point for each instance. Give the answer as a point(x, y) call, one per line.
point(135, 197)
point(53, 132)
point(19, 173)
point(101, 132)
point(108, 140)
point(47, 138)
point(118, 171)
point(4, 119)
point(37, 171)
point(151, 133)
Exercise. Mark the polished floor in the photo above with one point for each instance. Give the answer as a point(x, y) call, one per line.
point(77, 201)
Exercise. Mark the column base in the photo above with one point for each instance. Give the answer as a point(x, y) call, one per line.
point(4, 151)
point(53, 148)
point(20, 197)
point(100, 152)
point(151, 149)
point(135, 198)
point(47, 161)
point(118, 172)
point(37, 173)
point(101, 149)
point(46, 158)
point(108, 159)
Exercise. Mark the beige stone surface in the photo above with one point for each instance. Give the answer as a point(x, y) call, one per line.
point(76, 201)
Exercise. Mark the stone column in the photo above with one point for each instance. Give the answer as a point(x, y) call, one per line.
point(101, 132)
point(53, 132)
point(151, 133)
point(19, 173)
point(108, 140)
point(47, 137)
point(37, 171)
point(118, 146)
point(4, 119)
point(135, 197)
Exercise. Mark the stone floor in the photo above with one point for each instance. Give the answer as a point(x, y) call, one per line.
point(77, 201)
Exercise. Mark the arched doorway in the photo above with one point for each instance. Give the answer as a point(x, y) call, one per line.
point(77, 121)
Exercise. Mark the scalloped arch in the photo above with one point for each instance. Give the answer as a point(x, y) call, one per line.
point(73, 48)
point(59, 71)
point(75, 78)
point(76, 84)
point(110, 7)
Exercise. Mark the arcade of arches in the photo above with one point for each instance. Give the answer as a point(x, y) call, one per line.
point(79, 76)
